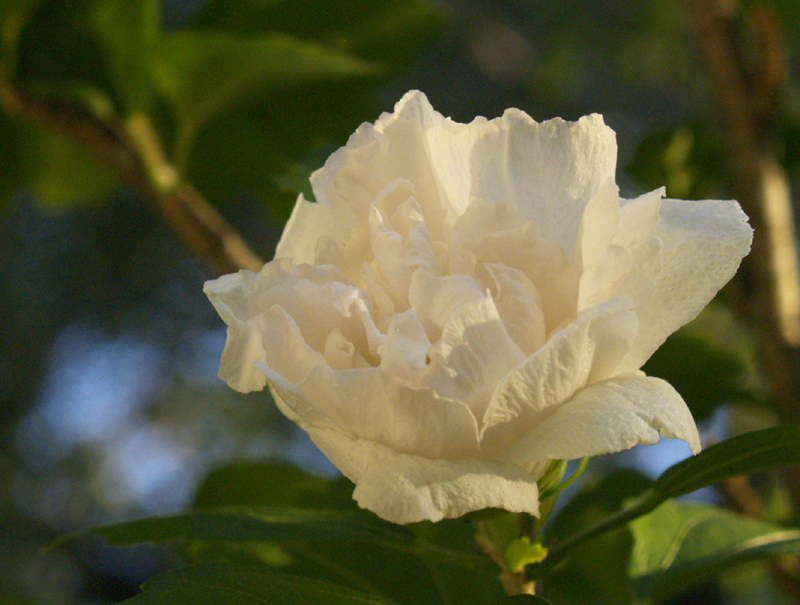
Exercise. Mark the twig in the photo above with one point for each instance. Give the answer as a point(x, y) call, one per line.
point(197, 224)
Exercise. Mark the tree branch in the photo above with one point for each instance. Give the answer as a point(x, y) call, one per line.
point(133, 153)
point(767, 286)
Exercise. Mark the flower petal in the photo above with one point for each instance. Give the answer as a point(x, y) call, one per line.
point(498, 234)
point(548, 171)
point(623, 258)
point(609, 416)
point(519, 306)
point(703, 243)
point(370, 404)
point(405, 488)
point(403, 352)
point(472, 354)
point(394, 148)
point(436, 298)
point(309, 221)
point(585, 351)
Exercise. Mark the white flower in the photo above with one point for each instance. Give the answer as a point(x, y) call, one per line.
point(466, 302)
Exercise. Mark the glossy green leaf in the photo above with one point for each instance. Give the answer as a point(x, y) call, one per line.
point(742, 455)
point(202, 72)
point(275, 525)
point(235, 584)
point(129, 30)
point(679, 544)
point(263, 485)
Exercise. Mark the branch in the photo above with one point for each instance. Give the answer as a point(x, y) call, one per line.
point(132, 151)
point(768, 281)
point(768, 286)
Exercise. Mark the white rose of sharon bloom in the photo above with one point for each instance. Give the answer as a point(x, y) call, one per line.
point(466, 302)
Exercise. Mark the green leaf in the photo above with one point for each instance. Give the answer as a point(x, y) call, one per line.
point(274, 525)
point(523, 599)
point(742, 455)
point(679, 544)
point(129, 30)
point(235, 584)
point(263, 485)
point(14, 15)
point(202, 72)
point(61, 172)
point(390, 31)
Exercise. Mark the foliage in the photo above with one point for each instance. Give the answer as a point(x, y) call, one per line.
point(218, 92)
point(671, 545)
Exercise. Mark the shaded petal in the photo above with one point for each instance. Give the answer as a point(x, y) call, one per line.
point(519, 306)
point(309, 221)
point(243, 349)
point(498, 234)
point(436, 298)
point(473, 353)
point(284, 349)
point(243, 345)
point(348, 257)
point(599, 223)
point(703, 243)
point(388, 247)
point(585, 351)
point(405, 488)
point(369, 404)
point(404, 350)
point(609, 416)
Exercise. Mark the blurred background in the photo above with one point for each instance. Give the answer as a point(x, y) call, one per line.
point(110, 407)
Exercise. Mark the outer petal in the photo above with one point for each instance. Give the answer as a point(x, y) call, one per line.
point(374, 156)
point(703, 243)
point(607, 417)
point(621, 258)
point(243, 345)
point(404, 488)
point(308, 222)
point(586, 351)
